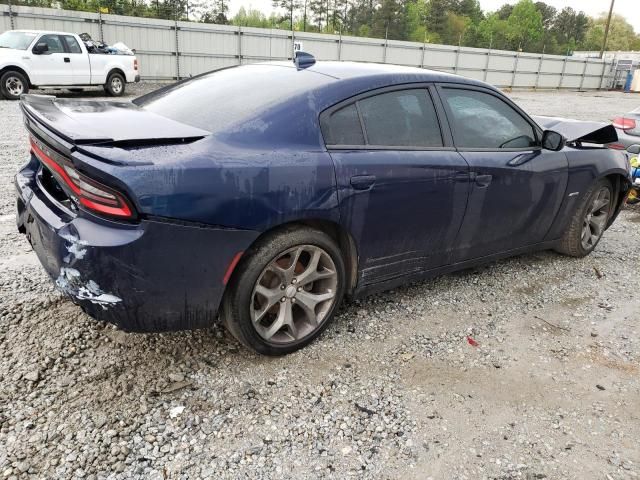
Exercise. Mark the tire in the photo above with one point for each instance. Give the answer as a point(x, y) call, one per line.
point(13, 84)
point(286, 316)
point(586, 217)
point(116, 85)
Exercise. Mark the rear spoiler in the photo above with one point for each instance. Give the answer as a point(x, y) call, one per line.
point(579, 131)
point(91, 122)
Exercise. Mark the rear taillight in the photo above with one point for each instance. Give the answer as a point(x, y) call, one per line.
point(91, 194)
point(615, 146)
point(624, 123)
point(135, 64)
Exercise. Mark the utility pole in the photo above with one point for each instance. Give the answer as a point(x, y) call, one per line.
point(606, 29)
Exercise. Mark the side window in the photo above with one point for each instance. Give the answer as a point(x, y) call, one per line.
point(481, 120)
point(401, 118)
point(54, 43)
point(343, 127)
point(72, 44)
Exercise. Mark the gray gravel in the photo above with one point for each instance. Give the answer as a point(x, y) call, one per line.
point(394, 389)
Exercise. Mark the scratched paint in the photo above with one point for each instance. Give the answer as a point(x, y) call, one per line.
point(70, 279)
point(70, 282)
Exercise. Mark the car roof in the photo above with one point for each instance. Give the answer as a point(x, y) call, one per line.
point(52, 32)
point(345, 70)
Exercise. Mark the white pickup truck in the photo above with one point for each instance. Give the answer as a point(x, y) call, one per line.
point(32, 59)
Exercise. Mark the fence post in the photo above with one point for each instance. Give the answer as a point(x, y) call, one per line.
point(584, 72)
point(11, 23)
point(604, 69)
point(175, 26)
point(424, 50)
point(240, 45)
point(486, 65)
point(455, 67)
point(564, 68)
point(515, 69)
point(535, 87)
point(340, 45)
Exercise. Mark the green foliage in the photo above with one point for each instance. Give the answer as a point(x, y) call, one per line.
point(534, 27)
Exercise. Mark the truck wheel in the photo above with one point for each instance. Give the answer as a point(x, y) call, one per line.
point(13, 84)
point(589, 221)
point(285, 291)
point(115, 85)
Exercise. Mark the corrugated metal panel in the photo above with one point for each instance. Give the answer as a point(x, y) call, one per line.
point(169, 49)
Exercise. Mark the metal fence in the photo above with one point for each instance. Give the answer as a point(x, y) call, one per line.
point(170, 50)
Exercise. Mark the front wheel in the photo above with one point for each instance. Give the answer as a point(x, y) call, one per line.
point(589, 221)
point(115, 85)
point(285, 291)
point(13, 84)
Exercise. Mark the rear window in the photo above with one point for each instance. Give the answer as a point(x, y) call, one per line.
point(402, 118)
point(225, 97)
point(17, 40)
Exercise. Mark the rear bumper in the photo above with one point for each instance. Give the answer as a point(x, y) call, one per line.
point(151, 276)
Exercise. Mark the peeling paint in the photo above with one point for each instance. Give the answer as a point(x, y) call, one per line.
point(70, 282)
point(77, 248)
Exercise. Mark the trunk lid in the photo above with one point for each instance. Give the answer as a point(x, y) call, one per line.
point(94, 122)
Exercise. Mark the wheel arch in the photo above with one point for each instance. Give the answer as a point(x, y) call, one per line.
point(339, 234)
point(620, 183)
point(113, 70)
point(15, 68)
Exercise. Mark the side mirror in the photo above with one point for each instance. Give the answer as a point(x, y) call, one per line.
point(552, 140)
point(40, 48)
point(634, 149)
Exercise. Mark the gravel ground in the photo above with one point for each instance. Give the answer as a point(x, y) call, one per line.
point(394, 389)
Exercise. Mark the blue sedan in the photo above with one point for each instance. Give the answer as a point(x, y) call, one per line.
point(264, 194)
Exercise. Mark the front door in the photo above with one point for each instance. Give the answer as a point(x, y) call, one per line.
point(517, 187)
point(80, 66)
point(402, 187)
point(52, 67)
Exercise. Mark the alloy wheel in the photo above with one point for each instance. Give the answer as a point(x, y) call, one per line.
point(595, 221)
point(116, 84)
point(294, 294)
point(14, 86)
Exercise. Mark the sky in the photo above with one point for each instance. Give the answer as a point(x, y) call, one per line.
point(628, 8)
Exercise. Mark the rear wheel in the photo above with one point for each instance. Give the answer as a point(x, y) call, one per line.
point(115, 85)
point(285, 292)
point(589, 221)
point(13, 84)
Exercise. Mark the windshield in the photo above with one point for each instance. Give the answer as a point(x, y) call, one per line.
point(17, 40)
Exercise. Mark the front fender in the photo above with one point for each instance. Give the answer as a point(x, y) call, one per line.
point(587, 166)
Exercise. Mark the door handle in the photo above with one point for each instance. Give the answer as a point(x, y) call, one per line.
point(363, 182)
point(483, 180)
point(67, 60)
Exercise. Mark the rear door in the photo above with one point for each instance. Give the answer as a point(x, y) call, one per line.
point(517, 187)
point(54, 66)
point(402, 186)
point(79, 60)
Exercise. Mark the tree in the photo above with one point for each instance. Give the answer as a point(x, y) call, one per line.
point(290, 6)
point(505, 11)
point(468, 8)
point(436, 21)
point(390, 20)
point(621, 34)
point(217, 13)
point(524, 25)
point(492, 32)
point(570, 28)
point(548, 14)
